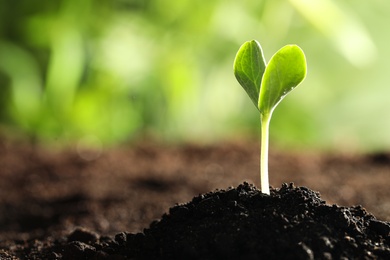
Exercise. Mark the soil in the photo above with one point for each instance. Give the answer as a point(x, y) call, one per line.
point(152, 201)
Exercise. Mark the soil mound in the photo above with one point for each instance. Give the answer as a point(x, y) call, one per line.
point(242, 223)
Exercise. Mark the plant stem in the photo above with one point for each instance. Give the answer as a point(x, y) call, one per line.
point(265, 119)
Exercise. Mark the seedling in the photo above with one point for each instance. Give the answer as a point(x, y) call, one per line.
point(267, 85)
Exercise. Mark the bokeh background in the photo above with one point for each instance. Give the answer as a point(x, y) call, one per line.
point(108, 72)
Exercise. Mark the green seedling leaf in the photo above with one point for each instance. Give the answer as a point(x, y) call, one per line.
point(267, 85)
point(249, 67)
point(286, 69)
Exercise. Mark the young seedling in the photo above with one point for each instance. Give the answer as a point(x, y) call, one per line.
point(267, 85)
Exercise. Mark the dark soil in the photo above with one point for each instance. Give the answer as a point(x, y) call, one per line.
point(57, 205)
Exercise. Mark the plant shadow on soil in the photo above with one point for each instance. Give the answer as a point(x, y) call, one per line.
point(55, 205)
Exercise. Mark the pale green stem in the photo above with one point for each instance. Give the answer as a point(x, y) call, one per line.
point(265, 119)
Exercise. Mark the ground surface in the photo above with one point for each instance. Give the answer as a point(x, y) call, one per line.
point(45, 195)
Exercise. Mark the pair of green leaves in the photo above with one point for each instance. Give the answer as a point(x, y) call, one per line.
point(265, 84)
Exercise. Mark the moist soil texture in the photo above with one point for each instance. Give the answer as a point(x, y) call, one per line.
point(153, 201)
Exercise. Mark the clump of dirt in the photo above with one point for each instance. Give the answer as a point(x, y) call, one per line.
point(56, 204)
point(242, 223)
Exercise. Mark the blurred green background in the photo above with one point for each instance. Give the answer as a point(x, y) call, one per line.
point(124, 70)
